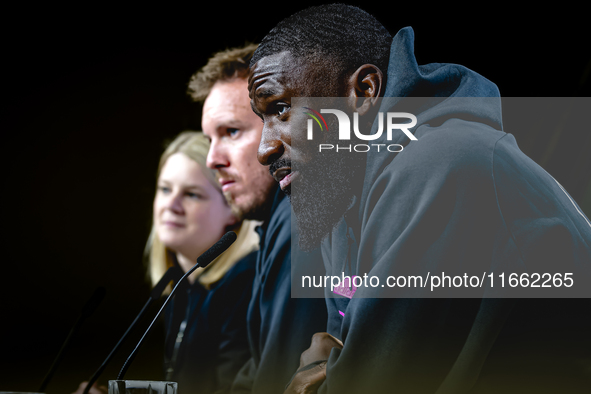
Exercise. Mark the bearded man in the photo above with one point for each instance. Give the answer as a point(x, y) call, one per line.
point(455, 194)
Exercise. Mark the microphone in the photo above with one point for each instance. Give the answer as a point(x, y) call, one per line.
point(217, 249)
point(88, 309)
point(172, 274)
point(202, 261)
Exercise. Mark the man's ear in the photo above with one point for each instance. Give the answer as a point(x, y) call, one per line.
point(364, 87)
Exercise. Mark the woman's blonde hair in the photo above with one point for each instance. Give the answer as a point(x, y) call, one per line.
point(159, 258)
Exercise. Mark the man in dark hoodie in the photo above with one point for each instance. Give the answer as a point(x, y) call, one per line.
point(457, 192)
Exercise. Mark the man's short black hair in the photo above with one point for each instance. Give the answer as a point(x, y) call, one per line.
point(341, 34)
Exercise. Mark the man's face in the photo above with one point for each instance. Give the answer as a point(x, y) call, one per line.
point(319, 185)
point(235, 131)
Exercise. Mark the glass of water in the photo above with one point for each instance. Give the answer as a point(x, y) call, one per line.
point(141, 387)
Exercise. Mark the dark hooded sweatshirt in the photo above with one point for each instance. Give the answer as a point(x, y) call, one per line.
point(462, 194)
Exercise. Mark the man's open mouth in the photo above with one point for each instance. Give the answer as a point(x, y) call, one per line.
point(285, 176)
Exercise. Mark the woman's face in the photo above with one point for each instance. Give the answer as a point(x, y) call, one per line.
point(190, 214)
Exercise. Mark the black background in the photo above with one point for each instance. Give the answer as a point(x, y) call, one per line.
point(91, 92)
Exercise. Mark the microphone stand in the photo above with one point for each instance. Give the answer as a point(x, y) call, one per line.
point(87, 310)
point(202, 261)
point(172, 274)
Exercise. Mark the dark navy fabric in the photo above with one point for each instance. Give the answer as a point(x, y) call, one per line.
point(215, 343)
point(280, 328)
point(462, 195)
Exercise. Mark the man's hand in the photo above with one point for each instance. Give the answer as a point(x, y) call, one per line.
point(322, 343)
point(95, 389)
point(307, 381)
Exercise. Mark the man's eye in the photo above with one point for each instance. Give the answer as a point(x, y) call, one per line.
point(232, 132)
point(164, 189)
point(281, 109)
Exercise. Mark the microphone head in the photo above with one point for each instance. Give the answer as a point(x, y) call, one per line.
point(218, 248)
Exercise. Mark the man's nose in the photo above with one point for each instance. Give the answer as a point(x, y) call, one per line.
point(216, 157)
point(270, 148)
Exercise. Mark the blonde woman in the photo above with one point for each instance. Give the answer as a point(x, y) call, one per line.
point(206, 338)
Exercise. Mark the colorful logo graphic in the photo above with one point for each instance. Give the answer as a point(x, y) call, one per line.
point(387, 124)
point(315, 116)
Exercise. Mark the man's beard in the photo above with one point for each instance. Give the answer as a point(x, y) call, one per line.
point(323, 194)
point(236, 211)
point(258, 209)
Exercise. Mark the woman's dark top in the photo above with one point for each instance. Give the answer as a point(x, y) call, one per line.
point(206, 336)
